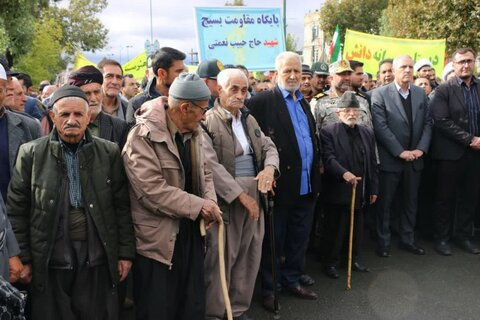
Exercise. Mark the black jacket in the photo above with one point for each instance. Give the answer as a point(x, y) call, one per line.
point(270, 111)
point(136, 102)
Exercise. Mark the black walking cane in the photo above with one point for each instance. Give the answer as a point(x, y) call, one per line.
point(268, 206)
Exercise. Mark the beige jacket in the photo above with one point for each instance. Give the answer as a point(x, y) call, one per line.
point(157, 180)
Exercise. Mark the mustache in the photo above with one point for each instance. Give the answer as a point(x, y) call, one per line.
point(68, 126)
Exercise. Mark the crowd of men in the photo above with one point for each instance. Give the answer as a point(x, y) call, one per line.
point(100, 181)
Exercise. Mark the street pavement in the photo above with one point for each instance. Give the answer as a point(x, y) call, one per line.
point(401, 287)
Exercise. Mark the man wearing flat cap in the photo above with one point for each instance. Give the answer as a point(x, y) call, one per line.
point(171, 191)
point(208, 71)
point(69, 208)
point(103, 125)
point(325, 108)
point(349, 160)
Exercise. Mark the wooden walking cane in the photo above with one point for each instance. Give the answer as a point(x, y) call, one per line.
point(350, 237)
point(221, 263)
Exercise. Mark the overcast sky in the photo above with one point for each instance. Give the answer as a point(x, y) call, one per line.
point(128, 23)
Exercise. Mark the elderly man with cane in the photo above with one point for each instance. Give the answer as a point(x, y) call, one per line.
point(244, 162)
point(349, 160)
point(171, 191)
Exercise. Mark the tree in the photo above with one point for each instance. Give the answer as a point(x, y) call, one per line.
point(290, 43)
point(80, 27)
point(43, 60)
point(363, 16)
point(238, 3)
point(458, 21)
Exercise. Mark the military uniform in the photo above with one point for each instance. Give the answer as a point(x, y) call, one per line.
point(325, 108)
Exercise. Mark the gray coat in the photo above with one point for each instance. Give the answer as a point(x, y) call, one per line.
point(21, 129)
point(8, 243)
point(392, 129)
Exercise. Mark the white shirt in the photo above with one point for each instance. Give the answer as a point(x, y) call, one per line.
point(404, 94)
point(239, 132)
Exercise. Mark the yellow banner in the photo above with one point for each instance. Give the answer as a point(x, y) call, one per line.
point(371, 49)
point(136, 66)
point(81, 61)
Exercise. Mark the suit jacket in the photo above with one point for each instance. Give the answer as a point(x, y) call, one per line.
point(451, 137)
point(392, 129)
point(270, 111)
point(113, 129)
point(336, 152)
point(21, 129)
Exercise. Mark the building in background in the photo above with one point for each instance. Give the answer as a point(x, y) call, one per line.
point(313, 39)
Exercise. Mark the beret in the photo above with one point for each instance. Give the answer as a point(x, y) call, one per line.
point(189, 86)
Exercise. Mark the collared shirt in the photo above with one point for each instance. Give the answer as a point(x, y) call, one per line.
point(472, 102)
point(239, 131)
point(94, 126)
point(302, 132)
point(70, 153)
point(404, 94)
point(118, 110)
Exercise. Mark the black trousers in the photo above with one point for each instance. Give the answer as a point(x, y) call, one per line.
point(458, 186)
point(84, 293)
point(177, 293)
point(337, 223)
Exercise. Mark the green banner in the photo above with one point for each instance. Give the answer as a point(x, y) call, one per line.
point(371, 49)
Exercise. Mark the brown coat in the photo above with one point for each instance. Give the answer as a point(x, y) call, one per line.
point(157, 180)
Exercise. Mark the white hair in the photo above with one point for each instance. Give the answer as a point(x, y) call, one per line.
point(286, 55)
point(223, 78)
point(54, 108)
point(397, 61)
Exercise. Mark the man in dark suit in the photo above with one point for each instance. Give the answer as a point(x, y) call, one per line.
point(403, 128)
point(102, 125)
point(456, 145)
point(349, 160)
point(284, 116)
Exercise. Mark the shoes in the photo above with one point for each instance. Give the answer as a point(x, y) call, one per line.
point(468, 246)
point(243, 317)
point(357, 267)
point(269, 303)
point(306, 280)
point(412, 248)
point(443, 248)
point(302, 293)
point(331, 272)
point(383, 252)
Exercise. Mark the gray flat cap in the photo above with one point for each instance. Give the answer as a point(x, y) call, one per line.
point(189, 86)
point(348, 100)
point(67, 91)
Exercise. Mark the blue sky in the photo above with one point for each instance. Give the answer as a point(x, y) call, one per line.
point(128, 23)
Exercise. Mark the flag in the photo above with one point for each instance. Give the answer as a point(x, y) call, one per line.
point(81, 61)
point(335, 46)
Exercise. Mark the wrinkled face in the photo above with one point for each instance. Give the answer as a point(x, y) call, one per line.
point(341, 82)
point(70, 117)
point(94, 94)
point(463, 65)
point(424, 83)
point(232, 97)
point(192, 113)
point(306, 85)
point(289, 75)
point(212, 86)
point(403, 71)
point(112, 80)
point(386, 73)
point(19, 97)
point(424, 72)
point(131, 87)
point(356, 78)
point(348, 115)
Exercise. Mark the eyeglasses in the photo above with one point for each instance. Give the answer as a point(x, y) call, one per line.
point(464, 62)
point(204, 110)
